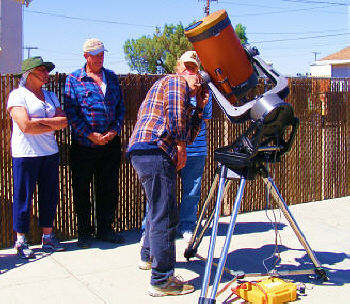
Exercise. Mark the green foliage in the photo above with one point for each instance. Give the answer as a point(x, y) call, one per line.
point(164, 46)
point(240, 31)
point(162, 49)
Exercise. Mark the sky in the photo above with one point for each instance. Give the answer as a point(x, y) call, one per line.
point(288, 33)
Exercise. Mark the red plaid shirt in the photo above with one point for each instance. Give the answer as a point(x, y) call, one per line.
point(164, 117)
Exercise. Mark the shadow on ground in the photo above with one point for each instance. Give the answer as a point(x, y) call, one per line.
point(248, 227)
point(252, 260)
point(10, 261)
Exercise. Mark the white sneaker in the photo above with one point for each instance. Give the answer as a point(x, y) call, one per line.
point(187, 236)
point(142, 240)
point(174, 286)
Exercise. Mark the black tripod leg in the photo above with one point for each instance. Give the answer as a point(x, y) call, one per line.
point(288, 215)
point(200, 229)
point(191, 249)
point(197, 239)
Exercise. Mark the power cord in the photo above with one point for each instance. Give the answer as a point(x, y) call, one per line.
point(274, 222)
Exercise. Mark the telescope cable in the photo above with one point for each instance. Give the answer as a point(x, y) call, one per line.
point(274, 222)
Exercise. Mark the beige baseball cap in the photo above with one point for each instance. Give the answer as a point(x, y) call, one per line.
point(93, 46)
point(190, 56)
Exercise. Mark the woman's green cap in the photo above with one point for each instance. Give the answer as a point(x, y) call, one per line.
point(34, 62)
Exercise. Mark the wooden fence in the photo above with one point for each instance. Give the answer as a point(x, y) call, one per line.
point(317, 168)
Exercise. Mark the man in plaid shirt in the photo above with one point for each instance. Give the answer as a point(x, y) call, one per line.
point(95, 110)
point(166, 122)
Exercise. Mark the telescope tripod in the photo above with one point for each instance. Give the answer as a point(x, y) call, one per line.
point(223, 177)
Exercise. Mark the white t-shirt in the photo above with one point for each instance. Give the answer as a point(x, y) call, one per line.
point(31, 145)
point(103, 85)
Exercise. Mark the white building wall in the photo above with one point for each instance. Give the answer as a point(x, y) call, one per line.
point(10, 36)
point(321, 70)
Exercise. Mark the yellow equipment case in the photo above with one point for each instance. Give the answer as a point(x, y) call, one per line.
point(269, 291)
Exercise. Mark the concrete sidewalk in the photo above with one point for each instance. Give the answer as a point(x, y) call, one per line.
point(108, 274)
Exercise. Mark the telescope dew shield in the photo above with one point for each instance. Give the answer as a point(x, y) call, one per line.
point(222, 55)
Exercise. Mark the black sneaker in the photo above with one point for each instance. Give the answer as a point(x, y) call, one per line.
point(84, 241)
point(23, 250)
point(111, 237)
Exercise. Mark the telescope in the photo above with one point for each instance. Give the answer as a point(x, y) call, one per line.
point(230, 70)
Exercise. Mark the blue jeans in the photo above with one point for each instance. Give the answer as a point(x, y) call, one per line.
point(157, 174)
point(191, 176)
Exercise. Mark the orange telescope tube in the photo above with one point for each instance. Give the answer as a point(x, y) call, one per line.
point(222, 55)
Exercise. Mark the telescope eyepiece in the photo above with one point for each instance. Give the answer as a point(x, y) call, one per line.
point(205, 78)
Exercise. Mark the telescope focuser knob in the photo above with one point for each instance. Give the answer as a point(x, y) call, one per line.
point(251, 50)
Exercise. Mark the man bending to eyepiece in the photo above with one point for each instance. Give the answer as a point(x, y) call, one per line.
point(166, 122)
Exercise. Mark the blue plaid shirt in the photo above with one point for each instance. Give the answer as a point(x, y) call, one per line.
point(88, 110)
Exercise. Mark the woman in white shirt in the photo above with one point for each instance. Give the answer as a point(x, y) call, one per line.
point(36, 115)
